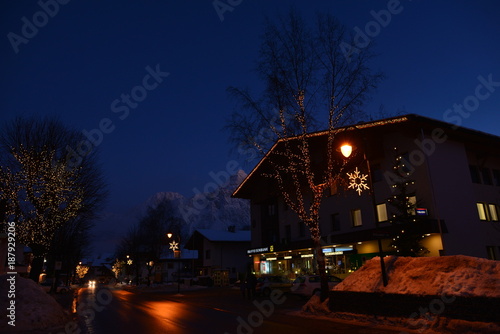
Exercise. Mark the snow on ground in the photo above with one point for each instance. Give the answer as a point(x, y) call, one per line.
point(450, 275)
point(454, 275)
point(34, 308)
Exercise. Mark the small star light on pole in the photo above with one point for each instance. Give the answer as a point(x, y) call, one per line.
point(174, 245)
point(357, 181)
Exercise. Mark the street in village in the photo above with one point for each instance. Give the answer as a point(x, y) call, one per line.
point(208, 310)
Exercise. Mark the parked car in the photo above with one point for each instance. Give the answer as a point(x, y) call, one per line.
point(267, 283)
point(60, 288)
point(310, 285)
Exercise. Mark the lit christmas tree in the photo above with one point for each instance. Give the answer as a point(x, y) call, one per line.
point(407, 241)
point(41, 190)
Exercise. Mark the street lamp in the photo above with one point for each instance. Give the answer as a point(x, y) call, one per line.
point(174, 246)
point(346, 150)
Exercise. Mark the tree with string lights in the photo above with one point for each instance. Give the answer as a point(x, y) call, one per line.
point(45, 195)
point(310, 84)
point(406, 242)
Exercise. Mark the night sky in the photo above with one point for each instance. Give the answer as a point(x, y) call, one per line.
point(87, 56)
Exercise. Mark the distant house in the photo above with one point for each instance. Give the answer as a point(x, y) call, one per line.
point(220, 250)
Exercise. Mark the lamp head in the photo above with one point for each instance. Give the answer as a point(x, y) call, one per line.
point(346, 150)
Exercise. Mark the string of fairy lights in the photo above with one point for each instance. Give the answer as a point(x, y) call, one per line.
point(41, 193)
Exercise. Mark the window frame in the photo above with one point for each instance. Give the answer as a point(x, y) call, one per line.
point(384, 212)
point(355, 214)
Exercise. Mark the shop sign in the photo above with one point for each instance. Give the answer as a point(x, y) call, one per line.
point(421, 211)
point(258, 250)
point(334, 253)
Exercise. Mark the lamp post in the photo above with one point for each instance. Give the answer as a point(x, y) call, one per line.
point(129, 264)
point(176, 246)
point(346, 150)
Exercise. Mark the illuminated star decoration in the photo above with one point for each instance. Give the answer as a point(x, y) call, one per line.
point(174, 246)
point(357, 181)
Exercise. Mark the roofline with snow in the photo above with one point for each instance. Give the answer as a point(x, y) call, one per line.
point(361, 126)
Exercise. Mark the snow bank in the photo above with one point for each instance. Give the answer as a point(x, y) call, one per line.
point(450, 275)
point(35, 309)
point(315, 307)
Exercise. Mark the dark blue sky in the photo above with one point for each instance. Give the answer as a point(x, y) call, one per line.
point(91, 52)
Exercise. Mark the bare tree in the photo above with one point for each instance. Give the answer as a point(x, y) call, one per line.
point(43, 194)
point(309, 85)
point(145, 241)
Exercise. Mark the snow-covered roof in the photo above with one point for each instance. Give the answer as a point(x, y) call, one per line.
point(220, 235)
point(186, 254)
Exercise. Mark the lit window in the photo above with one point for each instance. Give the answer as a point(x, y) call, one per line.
point(382, 212)
point(356, 217)
point(481, 210)
point(493, 212)
point(413, 202)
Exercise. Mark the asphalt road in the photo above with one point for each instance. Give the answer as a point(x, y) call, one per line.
point(212, 310)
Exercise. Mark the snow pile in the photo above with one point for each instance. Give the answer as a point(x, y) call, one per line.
point(457, 275)
point(35, 309)
point(315, 307)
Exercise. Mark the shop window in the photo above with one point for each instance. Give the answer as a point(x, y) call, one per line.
point(356, 217)
point(382, 212)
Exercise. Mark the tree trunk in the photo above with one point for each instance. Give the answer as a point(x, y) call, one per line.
point(36, 268)
point(320, 259)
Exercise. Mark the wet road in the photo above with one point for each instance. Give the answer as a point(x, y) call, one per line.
point(213, 310)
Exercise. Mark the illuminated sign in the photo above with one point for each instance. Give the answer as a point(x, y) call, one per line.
point(287, 257)
point(271, 258)
point(334, 253)
point(258, 250)
point(307, 255)
point(421, 211)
